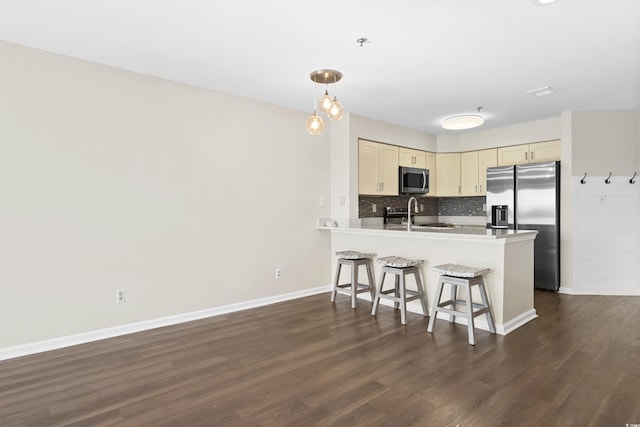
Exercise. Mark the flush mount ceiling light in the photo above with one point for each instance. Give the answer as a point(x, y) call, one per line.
point(543, 2)
point(464, 121)
point(331, 107)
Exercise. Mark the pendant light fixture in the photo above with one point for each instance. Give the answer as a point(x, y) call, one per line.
point(333, 108)
point(462, 122)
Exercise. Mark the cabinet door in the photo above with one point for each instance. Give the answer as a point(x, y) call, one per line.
point(486, 159)
point(469, 173)
point(388, 170)
point(405, 157)
point(544, 151)
point(411, 158)
point(513, 155)
point(448, 174)
point(419, 159)
point(368, 182)
point(430, 163)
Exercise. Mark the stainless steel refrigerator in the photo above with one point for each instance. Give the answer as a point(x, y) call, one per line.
point(530, 194)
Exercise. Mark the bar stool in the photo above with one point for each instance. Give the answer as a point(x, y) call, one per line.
point(464, 277)
point(354, 260)
point(400, 268)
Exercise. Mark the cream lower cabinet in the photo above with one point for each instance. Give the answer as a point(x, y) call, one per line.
point(411, 158)
point(473, 171)
point(448, 174)
point(377, 168)
point(529, 153)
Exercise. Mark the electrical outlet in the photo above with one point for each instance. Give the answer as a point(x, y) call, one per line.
point(321, 200)
point(602, 200)
point(421, 207)
point(120, 296)
point(278, 273)
point(343, 201)
point(374, 207)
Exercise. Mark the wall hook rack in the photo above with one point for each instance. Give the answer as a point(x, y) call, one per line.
point(584, 179)
point(608, 180)
point(633, 178)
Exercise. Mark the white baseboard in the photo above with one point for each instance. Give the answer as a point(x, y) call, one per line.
point(501, 328)
point(600, 291)
point(85, 337)
point(517, 321)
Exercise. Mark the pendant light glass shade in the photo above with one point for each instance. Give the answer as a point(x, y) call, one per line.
point(336, 111)
point(315, 124)
point(325, 102)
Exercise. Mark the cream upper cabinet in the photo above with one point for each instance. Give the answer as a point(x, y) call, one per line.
point(411, 158)
point(377, 168)
point(486, 159)
point(513, 155)
point(448, 174)
point(430, 163)
point(473, 171)
point(529, 153)
point(544, 151)
point(469, 173)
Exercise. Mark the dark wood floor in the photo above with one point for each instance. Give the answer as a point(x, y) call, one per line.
point(311, 363)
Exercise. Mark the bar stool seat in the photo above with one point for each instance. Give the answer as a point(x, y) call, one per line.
point(354, 260)
point(460, 276)
point(399, 294)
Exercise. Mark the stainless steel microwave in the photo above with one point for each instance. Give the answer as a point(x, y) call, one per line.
point(413, 180)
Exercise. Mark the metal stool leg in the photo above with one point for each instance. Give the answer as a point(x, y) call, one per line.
point(334, 290)
point(469, 316)
point(376, 299)
point(454, 297)
point(372, 284)
point(403, 302)
point(396, 293)
point(485, 302)
point(434, 309)
point(354, 284)
point(423, 294)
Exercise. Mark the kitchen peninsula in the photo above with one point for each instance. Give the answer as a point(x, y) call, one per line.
point(508, 253)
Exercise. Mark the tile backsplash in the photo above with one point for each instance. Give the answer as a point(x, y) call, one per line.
point(461, 206)
point(433, 206)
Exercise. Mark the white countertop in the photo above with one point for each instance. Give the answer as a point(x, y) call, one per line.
point(456, 232)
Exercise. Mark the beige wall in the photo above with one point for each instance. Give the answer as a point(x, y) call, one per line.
point(186, 198)
point(605, 141)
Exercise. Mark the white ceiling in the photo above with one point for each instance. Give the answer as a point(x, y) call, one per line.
point(426, 59)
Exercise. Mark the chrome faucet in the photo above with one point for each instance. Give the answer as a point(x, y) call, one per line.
point(409, 211)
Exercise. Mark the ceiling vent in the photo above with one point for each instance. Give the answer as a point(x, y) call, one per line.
point(542, 91)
